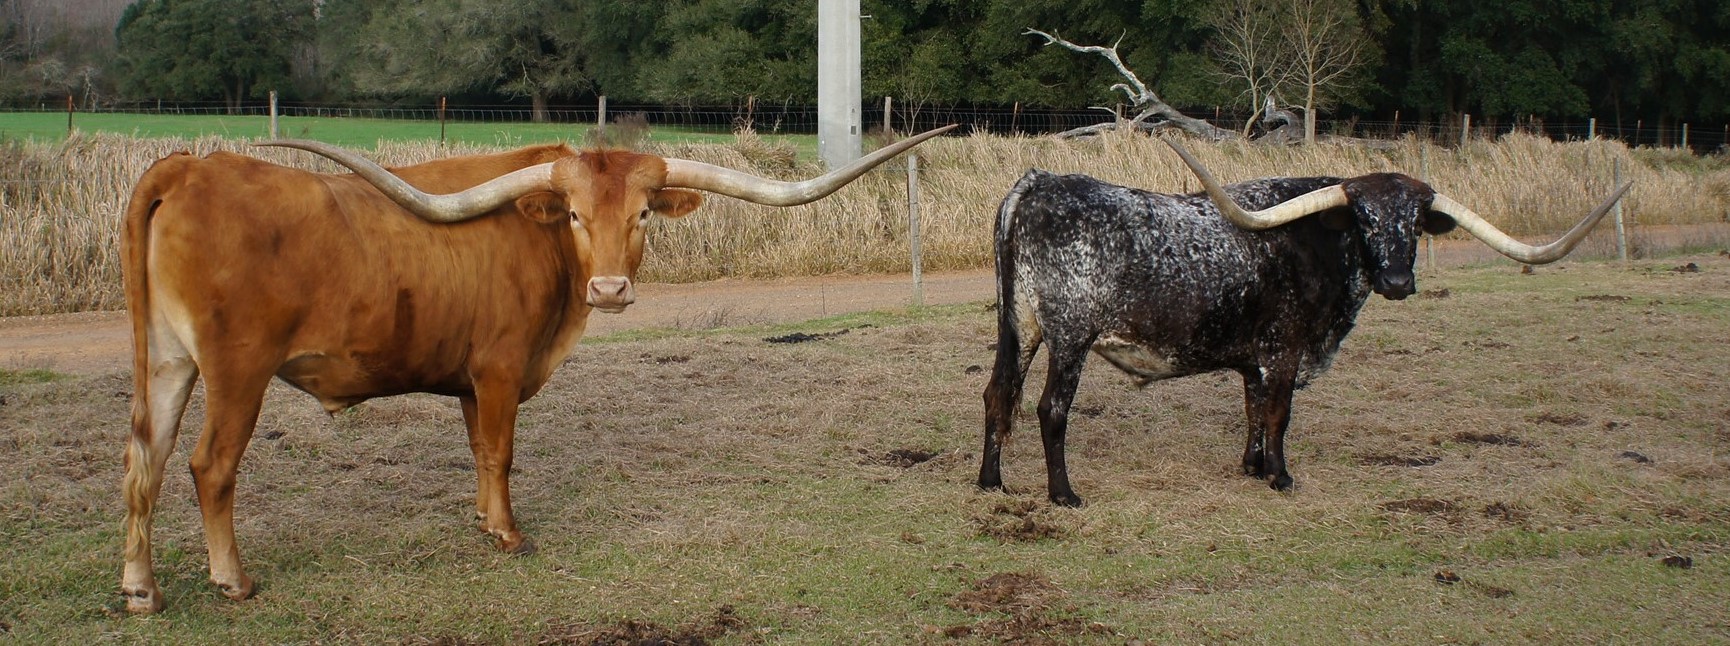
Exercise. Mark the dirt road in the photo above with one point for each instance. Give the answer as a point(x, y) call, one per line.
point(99, 342)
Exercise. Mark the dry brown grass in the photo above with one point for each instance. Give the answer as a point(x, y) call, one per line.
point(717, 485)
point(60, 203)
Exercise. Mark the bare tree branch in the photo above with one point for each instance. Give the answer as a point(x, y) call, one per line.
point(1140, 96)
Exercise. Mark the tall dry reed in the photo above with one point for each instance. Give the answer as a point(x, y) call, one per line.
point(60, 203)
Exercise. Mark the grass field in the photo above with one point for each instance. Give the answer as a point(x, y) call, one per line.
point(1504, 458)
point(349, 132)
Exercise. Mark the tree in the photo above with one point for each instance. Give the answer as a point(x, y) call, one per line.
point(919, 52)
point(56, 48)
point(1247, 48)
point(1326, 47)
point(720, 51)
point(194, 49)
point(425, 48)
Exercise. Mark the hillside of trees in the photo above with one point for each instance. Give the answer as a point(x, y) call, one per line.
point(1660, 61)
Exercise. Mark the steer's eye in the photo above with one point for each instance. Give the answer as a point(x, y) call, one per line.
point(643, 218)
point(576, 221)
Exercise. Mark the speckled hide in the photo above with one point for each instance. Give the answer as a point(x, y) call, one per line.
point(1164, 286)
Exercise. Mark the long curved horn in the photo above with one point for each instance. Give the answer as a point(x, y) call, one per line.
point(685, 173)
point(453, 207)
point(1312, 202)
point(1507, 246)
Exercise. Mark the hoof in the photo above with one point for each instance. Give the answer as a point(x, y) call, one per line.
point(143, 602)
point(238, 591)
point(1281, 482)
point(1066, 500)
point(521, 546)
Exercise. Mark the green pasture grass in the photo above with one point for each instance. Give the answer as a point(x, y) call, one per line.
point(10, 377)
point(344, 131)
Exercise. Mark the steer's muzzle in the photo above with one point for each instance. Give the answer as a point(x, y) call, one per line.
point(1395, 285)
point(611, 294)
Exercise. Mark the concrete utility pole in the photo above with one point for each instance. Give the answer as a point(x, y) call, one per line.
point(838, 84)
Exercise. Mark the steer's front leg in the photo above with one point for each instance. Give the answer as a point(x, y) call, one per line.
point(1267, 409)
point(491, 416)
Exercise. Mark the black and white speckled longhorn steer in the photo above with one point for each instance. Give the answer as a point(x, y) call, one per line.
point(1167, 285)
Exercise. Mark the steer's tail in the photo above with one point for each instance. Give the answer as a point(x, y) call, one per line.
point(1018, 337)
point(142, 478)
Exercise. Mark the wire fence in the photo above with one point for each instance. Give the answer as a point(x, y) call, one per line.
point(799, 118)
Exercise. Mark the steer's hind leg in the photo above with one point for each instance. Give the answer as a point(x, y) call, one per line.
point(156, 415)
point(1066, 362)
point(1015, 350)
point(479, 447)
point(233, 396)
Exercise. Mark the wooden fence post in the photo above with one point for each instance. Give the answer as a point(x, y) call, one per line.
point(1465, 129)
point(442, 121)
point(1424, 176)
point(913, 228)
point(273, 114)
point(1621, 230)
point(69, 116)
point(888, 104)
point(601, 116)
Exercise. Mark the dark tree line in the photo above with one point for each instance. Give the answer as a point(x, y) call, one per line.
point(1662, 61)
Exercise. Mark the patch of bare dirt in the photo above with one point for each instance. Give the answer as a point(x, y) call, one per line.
point(1021, 521)
point(1505, 512)
point(1386, 460)
point(1429, 506)
point(1561, 419)
point(1495, 439)
point(899, 458)
point(1449, 577)
point(1020, 608)
point(630, 632)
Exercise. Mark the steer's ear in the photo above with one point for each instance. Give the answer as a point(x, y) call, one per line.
point(1437, 223)
point(673, 202)
point(544, 207)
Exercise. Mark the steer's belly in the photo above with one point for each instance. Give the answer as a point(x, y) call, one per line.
point(339, 382)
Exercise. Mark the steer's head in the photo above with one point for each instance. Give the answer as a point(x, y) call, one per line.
point(607, 197)
point(1390, 211)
